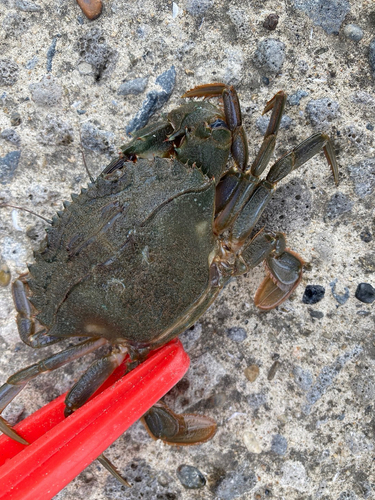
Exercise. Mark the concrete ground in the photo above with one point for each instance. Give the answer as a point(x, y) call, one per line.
point(293, 389)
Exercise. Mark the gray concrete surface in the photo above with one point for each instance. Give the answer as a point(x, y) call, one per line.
point(308, 433)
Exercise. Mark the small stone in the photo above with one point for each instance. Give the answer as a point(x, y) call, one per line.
point(313, 294)
point(294, 99)
point(251, 442)
point(371, 56)
point(91, 8)
point(362, 175)
point(27, 6)
point(11, 136)
point(271, 22)
point(15, 119)
point(316, 314)
point(353, 32)
point(329, 14)
point(279, 444)
point(322, 112)
point(272, 371)
point(97, 140)
point(134, 87)
point(237, 334)
point(47, 92)
point(251, 372)
point(365, 235)
point(198, 8)
point(4, 275)
point(8, 72)
point(338, 205)
point(236, 484)
point(341, 298)
point(303, 378)
point(370, 127)
point(190, 477)
point(8, 166)
point(270, 55)
point(365, 293)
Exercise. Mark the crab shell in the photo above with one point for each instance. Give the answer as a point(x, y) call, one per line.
point(130, 258)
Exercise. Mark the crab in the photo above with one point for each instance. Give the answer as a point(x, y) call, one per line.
point(137, 257)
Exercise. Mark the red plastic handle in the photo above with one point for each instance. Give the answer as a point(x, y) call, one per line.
point(61, 448)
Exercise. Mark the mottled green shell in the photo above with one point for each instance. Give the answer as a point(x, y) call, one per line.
point(129, 256)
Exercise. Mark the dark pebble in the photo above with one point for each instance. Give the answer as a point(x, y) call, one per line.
point(316, 314)
point(237, 334)
point(11, 136)
point(341, 298)
point(365, 235)
point(371, 56)
point(313, 294)
point(15, 119)
point(365, 293)
point(190, 477)
point(271, 22)
point(279, 444)
point(8, 166)
point(272, 372)
point(370, 127)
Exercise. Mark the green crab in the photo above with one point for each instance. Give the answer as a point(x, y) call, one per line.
point(137, 257)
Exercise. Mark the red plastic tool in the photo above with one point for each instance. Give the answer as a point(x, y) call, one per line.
point(61, 448)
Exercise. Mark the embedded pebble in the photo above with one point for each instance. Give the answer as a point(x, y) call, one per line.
point(279, 444)
point(347, 495)
point(15, 119)
point(237, 334)
point(8, 165)
point(365, 293)
point(251, 442)
point(55, 131)
point(294, 475)
point(341, 298)
point(27, 6)
point(198, 8)
point(328, 14)
point(316, 314)
point(338, 205)
point(51, 53)
point(97, 140)
point(4, 275)
point(8, 72)
point(313, 294)
point(47, 92)
point(270, 55)
point(155, 99)
point(236, 483)
point(11, 136)
point(295, 99)
point(362, 175)
point(371, 56)
point(91, 8)
point(353, 32)
point(94, 50)
point(256, 400)
point(134, 87)
point(272, 371)
point(322, 112)
point(366, 235)
point(271, 22)
point(303, 378)
point(251, 372)
point(190, 477)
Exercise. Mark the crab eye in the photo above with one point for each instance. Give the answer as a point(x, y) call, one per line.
point(218, 124)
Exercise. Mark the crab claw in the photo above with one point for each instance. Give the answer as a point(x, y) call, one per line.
point(284, 272)
point(184, 429)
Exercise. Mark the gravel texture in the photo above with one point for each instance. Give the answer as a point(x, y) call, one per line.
point(308, 431)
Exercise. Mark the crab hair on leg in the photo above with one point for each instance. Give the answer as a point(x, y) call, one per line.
point(241, 196)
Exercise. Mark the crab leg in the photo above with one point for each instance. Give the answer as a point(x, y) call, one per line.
point(277, 104)
point(178, 429)
point(26, 321)
point(92, 379)
point(283, 267)
point(233, 117)
point(17, 382)
point(301, 154)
